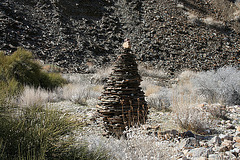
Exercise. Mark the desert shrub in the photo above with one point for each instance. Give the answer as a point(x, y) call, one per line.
point(154, 73)
point(8, 90)
point(192, 118)
point(188, 112)
point(220, 86)
point(196, 94)
point(137, 145)
point(162, 97)
point(80, 93)
point(8, 86)
point(160, 100)
point(214, 86)
point(21, 67)
point(197, 89)
point(101, 75)
point(40, 133)
point(51, 80)
point(35, 131)
point(183, 101)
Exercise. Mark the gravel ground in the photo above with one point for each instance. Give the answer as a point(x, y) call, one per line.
point(159, 131)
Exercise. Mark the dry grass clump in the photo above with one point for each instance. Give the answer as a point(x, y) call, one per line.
point(76, 78)
point(80, 93)
point(137, 145)
point(101, 75)
point(156, 96)
point(151, 89)
point(160, 100)
point(187, 105)
point(33, 96)
point(189, 113)
point(193, 118)
point(79, 90)
point(185, 77)
point(153, 73)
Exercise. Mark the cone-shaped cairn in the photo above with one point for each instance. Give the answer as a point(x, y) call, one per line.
point(122, 102)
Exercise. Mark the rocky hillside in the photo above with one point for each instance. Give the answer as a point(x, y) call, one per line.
point(80, 34)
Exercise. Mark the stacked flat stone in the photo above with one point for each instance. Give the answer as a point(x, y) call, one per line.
point(123, 101)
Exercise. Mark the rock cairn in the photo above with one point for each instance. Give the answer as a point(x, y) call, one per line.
point(122, 102)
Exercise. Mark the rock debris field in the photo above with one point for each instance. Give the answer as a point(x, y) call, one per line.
point(80, 35)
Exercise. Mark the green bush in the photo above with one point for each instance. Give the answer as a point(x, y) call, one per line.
point(8, 90)
point(21, 67)
point(51, 80)
point(38, 133)
point(35, 132)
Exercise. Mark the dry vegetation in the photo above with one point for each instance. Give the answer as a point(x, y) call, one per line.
point(185, 100)
point(137, 146)
point(30, 129)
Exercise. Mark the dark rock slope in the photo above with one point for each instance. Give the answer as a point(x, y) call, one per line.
point(168, 34)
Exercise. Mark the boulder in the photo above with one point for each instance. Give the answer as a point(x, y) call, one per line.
point(199, 152)
point(215, 141)
point(189, 143)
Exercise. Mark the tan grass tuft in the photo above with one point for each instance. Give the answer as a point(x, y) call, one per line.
point(101, 75)
point(150, 72)
point(151, 89)
point(32, 96)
